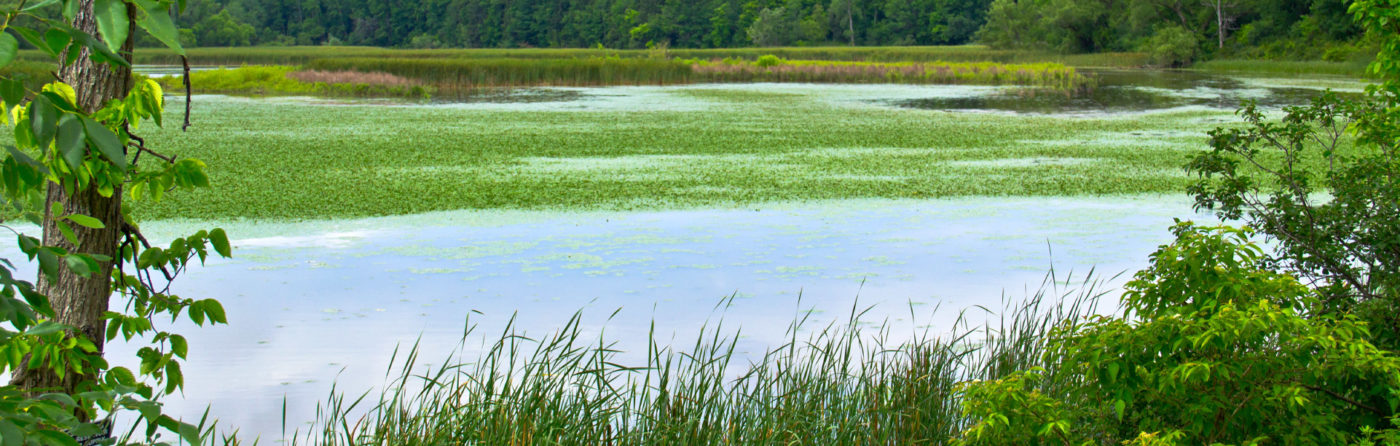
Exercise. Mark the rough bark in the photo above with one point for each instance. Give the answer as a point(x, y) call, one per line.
point(81, 301)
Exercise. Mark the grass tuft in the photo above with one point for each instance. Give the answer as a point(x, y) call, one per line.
point(840, 384)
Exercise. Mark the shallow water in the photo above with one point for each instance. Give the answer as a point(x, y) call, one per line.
point(317, 302)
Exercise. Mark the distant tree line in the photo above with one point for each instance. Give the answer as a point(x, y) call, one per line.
point(1054, 25)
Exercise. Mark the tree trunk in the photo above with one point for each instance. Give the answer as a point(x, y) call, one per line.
point(851, 20)
point(81, 301)
point(1220, 21)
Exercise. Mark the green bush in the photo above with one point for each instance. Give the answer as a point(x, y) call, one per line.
point(1172, 46)
point(768, 60)
point(1211, 347)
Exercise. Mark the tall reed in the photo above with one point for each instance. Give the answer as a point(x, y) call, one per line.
point(842, 384)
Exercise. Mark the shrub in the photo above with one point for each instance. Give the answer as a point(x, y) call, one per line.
point(1172, 46)
point(768, 60)
point(1211, 347)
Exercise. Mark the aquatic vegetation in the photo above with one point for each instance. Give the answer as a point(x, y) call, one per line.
point(737, 146)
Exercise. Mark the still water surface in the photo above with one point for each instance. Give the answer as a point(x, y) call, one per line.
point(312, 303)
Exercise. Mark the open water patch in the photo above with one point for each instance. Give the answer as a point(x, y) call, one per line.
point(320, 301)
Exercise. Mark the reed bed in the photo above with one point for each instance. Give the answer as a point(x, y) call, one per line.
point(1048, 75)
point(448, 76)
point(286, 80)
point(840, 384)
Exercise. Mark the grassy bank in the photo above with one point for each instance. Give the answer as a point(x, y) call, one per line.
point(844, 383)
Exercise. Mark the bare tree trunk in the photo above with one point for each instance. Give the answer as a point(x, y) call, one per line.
point(81, 301)
point(1220, 21)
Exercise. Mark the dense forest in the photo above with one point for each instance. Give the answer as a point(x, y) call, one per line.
point(1284, 28)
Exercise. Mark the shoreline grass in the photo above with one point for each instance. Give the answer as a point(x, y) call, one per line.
point(840, 384)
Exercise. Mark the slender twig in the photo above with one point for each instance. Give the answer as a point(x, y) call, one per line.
point(186, 61)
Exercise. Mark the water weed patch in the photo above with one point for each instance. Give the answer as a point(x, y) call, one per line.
point(734, 148)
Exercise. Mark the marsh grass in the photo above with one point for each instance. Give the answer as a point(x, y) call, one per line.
point(472, 74)
point(467, 75)
point(843, 383)
point(286, 80)
point(1047, 75)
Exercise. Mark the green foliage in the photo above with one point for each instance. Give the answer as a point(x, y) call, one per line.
point(1271, 29)
point(1172, 46)
point(1212, 347)
point(57, 144)
point(223, 29)
point(581, 24)
point(768, 60)
point(1348, 244)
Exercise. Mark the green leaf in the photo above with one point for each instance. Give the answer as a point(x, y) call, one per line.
point(70, 9)
point(48, 263)
point(56, 438)
point(80, 265)
point(174, 380)
point(12, 91)
point(220, 241)
point(39, 5)
point(9, 48)
point(105, 141)
point(215, 310)
point(43, 120)
point(156, 21)
point(112, 22)
point(179, 346)
point(10, 435)
point(28, 244)
point(34, 38)
point(190, 433)
point(86, 221)
point(67, 232)
point(44, 328)
point(55, 40)
point(70, 140)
